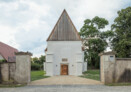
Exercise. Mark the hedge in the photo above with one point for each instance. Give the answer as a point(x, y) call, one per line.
point(36, 66)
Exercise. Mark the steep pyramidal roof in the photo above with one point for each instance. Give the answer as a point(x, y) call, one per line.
point(64, 30)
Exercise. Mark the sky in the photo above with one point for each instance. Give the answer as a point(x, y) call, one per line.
point(26, 24)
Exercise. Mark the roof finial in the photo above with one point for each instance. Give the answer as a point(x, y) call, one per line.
point(64, 9)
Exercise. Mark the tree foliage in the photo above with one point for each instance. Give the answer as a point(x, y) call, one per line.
point(96, 39)
point(37, 63)
point(39, 60)
point(122, 33)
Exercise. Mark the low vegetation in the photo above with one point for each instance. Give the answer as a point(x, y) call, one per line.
point(37, 63)
point(2, 60)
point(92, 74)
point(11, 85)
point(119, 84)
point(36, 66)
point(36, 75)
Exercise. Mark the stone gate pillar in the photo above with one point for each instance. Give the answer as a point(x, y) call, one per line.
point(23, 67)
point(107, 65)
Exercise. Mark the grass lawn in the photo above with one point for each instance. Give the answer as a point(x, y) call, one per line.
point(36, 75)
point(92, 74)
point(11, 85)
point(119, 84)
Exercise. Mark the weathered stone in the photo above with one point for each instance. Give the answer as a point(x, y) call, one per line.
point(23, 67)
point(12, 68)
point(114, 69)
point(5, 72)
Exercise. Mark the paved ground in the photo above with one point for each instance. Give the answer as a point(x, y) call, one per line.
point(69, 88)
point(65, 80)
point(67, 84)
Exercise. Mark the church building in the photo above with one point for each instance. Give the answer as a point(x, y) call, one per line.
point(64, 53)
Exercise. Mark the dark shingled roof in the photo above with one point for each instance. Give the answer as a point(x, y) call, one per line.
point(7, 51)
point(64, 30)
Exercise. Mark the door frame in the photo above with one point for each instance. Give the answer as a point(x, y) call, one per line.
point(61, 68)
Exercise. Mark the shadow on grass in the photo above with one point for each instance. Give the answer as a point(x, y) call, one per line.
point(92, 74)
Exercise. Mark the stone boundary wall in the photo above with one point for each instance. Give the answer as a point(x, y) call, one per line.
point(7, 70)
point(123, 70)
point(114, 70)
point(17, 72)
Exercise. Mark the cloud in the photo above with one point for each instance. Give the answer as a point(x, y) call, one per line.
point(22, 25)
point(26, 24)
point(32, 34)
point(7, 35)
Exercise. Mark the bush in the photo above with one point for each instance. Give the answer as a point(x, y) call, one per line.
point(2, 60)
point(35, 66)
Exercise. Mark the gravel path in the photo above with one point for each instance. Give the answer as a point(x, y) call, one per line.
point(67, 84)
point(69, 88)
point(65, 80)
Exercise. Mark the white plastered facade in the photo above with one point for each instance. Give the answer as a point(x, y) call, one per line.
point(57, 50)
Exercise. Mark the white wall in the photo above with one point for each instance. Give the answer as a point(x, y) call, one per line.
point(84, 66)
point(49, 68)
point(56, 50)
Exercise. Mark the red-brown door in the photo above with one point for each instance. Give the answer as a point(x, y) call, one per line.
point(64, 69)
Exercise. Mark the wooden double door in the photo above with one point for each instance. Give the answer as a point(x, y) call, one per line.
point(64, 69)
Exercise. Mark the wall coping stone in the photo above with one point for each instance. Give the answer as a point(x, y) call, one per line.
point(23, 53)
point(123, 58)
point(107, 53)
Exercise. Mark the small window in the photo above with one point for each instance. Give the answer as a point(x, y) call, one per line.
point(64, 59)
point(111, 58)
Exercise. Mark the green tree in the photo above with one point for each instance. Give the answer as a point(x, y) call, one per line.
point(96, 40)
point(37, 63)
point(122, 33)
point(41, 59)
point(35, 60)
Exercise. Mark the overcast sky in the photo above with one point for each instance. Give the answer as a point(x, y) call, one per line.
point(26, 24)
